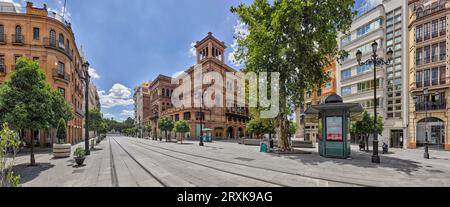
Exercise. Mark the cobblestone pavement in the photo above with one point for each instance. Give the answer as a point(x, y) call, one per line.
point(128, 162)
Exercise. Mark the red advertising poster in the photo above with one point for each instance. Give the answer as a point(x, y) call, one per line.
point(334, 129)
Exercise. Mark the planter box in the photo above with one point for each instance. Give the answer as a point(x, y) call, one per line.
point(61, 150)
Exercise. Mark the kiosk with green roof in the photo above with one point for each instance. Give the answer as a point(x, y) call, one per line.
point(334, 116)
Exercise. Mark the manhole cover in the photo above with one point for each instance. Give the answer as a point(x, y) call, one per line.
point(244, 159)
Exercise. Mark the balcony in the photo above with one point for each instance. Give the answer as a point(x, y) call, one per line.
point(431, 106)
point(237, 112)
point(18, 39)
point(61, 76)
point(2, 39)
point(54, 45)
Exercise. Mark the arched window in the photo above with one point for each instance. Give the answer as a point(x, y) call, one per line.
point(61, 41)
point(67, 44)
point(52, 38)
point(2, 33)
point(18, 38)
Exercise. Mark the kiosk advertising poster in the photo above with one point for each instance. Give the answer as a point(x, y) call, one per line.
point(334, 129)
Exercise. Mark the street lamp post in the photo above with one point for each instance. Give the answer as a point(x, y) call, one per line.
point(426, 155)
point(86, 79)
point(201, 122)
point(375, 61)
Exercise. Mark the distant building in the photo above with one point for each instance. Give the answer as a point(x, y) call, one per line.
point(224, 122)
point(141, 104)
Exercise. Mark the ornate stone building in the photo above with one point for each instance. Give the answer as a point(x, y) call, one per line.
point(429, 75)
point(49, 40)
point(224, 122)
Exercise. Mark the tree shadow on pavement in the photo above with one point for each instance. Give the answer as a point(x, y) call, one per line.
point(28, 173)
point(357, 160)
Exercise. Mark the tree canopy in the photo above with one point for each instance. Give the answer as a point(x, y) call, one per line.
point(295, 38)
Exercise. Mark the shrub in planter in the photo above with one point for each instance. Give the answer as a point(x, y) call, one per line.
point(80, 156)
point(61, 149)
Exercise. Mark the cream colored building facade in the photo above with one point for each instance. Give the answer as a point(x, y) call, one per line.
point(429, 64)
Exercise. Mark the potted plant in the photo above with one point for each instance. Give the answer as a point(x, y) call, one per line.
point(61, 149)
point(80, 156)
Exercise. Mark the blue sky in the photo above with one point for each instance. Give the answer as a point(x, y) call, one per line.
point(131, 41)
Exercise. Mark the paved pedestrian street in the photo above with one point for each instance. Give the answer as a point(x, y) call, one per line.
point(129, 162)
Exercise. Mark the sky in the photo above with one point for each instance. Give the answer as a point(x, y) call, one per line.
point(128, 42)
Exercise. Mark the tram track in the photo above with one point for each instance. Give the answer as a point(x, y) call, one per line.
point(250, 166)
point(163, 184)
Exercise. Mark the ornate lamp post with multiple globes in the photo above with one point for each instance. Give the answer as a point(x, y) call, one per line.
point(375, 61)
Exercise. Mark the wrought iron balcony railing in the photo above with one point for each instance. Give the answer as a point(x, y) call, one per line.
point(61, 76)
point(431, 106)
point(18, 39)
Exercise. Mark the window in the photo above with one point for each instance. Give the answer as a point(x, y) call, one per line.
point(435, 76)
point(419, 34)
point(442, 75)
point(426, 78)
point(363, 69)
point(18, 37)
point(61, 41)
point(163, 92)
point(36, 59)
point(346, 90)
point(443, 26)
point(434, 28)
point(434, 52)
point(200, 116)
point(426, 31)
point(419, 56)
point(61, 68)
point(419, 80)
point(177, 117)
point(2, 64)
point(442, 51)
point(52, 38)
point(62, 91)
point(36, 33)
point(2, 33)
point(187, 116)
point(427, 54)
point(346, 74)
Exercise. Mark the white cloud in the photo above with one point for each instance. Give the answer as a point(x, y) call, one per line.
point(192, 51)
point(108, 116)
point(127, 113)
point(240, 32)
point(93, 73)
point(118, 95)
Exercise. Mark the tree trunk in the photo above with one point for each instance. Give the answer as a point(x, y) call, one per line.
point(283, 141)
point(167, 137)
point(367, 143)
point(32, 160)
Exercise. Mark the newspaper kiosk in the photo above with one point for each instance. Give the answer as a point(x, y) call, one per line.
point(334, 116)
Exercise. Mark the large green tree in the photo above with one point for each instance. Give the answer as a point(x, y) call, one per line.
point(183, 128)
point(365, 127)
point(26, 100)
point(166, 124)
point(297, 39)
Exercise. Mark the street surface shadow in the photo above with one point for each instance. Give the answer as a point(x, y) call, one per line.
point(28, 173)
point(358, 160)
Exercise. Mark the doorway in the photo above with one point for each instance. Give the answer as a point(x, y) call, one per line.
point(397, 139)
